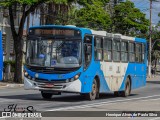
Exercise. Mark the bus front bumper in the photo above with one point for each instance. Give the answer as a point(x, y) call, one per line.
point(74, 86)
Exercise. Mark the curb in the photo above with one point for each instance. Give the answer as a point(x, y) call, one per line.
point(5, 85)
point(14, 85)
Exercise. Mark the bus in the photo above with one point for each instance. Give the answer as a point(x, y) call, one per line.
point(81, 60)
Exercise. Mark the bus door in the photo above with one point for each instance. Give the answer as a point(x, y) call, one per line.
point(87, 51)
point(116, 66)
point(87, 63)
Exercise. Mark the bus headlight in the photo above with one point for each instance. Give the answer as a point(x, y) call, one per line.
point(75, 77)
point(26, 74)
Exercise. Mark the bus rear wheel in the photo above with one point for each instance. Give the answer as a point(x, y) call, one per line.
point(94, 93)
point(46, 95)
point(127, 90)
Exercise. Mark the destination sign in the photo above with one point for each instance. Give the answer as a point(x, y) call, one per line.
point(55, 32)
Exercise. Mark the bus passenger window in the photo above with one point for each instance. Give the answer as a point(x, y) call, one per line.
point(138, 52)
point(131, 52)
point(124, 51)
point(116, 51)
point(143, 52)
point(98, 49)
point(107, 49)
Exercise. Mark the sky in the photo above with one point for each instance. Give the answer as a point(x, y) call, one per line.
point(144, 6)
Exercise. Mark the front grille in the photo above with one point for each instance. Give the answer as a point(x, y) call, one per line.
point(50, 81)
point(55, 86)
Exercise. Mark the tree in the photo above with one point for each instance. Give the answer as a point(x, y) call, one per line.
point(56, 12)
point(92, 15)
point(129, 20)
point(26, 7)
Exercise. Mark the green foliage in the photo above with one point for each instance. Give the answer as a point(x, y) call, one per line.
point(93, 16)
point(11, 63)
point(101, 3)
point(31, 2)
point(129, 20)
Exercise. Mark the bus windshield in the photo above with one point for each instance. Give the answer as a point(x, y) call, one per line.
point(54, 53)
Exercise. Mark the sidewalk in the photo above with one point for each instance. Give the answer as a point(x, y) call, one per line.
point(154, 78)
point(10, 85)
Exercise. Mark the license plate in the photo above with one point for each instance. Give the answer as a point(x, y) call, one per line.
point(49, 85)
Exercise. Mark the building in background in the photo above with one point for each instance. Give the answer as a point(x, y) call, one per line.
point(8, 51)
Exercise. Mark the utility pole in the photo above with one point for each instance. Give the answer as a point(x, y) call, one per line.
point(150, 42)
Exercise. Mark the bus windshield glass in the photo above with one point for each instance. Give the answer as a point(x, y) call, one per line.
point(54, 53)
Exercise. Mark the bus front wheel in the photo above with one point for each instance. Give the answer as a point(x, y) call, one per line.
point(94, 93)
point(46, 95)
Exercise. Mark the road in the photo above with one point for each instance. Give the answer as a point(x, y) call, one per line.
point(143, 99)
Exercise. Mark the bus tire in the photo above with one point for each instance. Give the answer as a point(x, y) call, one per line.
point(127, 90)
point(116, 93)
point(46, 95)
point(94, 93)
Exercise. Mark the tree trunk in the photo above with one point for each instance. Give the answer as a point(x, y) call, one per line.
point(50, 19)
point(17, 37)
point(18, 58)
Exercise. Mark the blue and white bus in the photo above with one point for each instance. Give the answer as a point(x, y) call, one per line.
point(80, 60)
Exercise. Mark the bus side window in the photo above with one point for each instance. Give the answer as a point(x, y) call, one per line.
point(138, 52)
point(98, 49)
point(143, 53)
point(124, 51)
point(107, 49)
point(116, 50)
point(131, 52)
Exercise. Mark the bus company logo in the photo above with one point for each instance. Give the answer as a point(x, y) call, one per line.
point(6, 114)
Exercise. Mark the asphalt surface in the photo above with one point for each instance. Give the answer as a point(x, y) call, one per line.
point(142, 99)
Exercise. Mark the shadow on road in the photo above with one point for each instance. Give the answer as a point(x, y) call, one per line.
point(154, 82)
point(58, 98)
